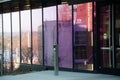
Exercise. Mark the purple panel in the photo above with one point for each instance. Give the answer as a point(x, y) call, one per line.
point(65, 44)
point(49, 39)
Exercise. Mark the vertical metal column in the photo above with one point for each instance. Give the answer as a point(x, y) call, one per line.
point(43, 34)
point(31, 49)
point(10, 5)
point(73, 49)
point(20, 31)
point(113, 33)
point(56, 46)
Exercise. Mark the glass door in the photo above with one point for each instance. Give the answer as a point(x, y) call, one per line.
point(117, 35)
point(106, 38)
point(109, 36)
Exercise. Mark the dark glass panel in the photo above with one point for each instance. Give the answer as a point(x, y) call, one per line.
point(105, 39)
point(117, 35)
point(83, 36)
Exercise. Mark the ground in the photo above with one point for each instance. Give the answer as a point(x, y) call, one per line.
point(63, 75)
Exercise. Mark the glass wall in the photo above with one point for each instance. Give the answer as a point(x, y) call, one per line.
point(37, 36)
point(83, 41)
point(15, 39)
point(7, 42)
point(65, 35)
point(49, 15)
point(32, 52)
point(26, 36)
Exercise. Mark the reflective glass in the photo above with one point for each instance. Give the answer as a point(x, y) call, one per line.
point(83, 36)
point(26, 37)
point(37, 36)
point(65, 35)
point(49, 34)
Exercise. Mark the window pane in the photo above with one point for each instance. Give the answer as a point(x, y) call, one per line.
point(0, 40)
point(7, 41)
point(26, 36)
point(15, 39)
point(83, 42)
point(37, 36)
point(65, 35)
point(49, 34)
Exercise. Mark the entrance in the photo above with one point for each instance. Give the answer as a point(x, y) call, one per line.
point(109, 36)
point(106, 37)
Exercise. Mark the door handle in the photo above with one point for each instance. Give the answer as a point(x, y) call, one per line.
point(117, 48)
point(106, 48)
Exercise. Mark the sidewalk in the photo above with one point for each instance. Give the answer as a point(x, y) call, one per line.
point(63, 75)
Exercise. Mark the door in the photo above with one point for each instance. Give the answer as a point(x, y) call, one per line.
point(117, 35)
point(106, 36)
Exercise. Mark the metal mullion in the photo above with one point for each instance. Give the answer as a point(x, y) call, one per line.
point(31, 33)
point(73, 37)
point(93, 51)
point(115, 48)
point(109, 34)
point(113, 37)
point(11, 36)
point(20, 32)
point(43, 34)
point(56, 45)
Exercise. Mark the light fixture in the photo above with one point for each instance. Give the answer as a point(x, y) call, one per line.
point(27, 4)
point(64, 1)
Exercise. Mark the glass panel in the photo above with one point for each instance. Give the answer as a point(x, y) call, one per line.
point(15, 39)
point(83, 37)
point(37, 36)
point(0, 42)
point(65, 35)
point(7, 42)
point(49, 34)
point(105, 36)
point(26, 37)
point(117, 35)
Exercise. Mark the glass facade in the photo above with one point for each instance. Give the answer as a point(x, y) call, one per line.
point(30, 36)
point(87, 35)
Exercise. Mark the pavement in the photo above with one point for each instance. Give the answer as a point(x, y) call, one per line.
point(63, 75)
